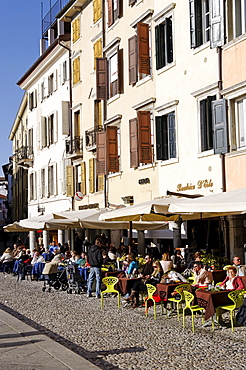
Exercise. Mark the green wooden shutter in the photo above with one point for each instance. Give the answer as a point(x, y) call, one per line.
point(220, 126)
point(169, 40)
point(172, 135)
point(159, 137)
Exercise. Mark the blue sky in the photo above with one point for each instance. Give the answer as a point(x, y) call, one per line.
point(19, 40)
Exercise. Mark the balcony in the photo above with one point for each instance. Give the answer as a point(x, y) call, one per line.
point(24, 156)
point(91, 137)
point(74, 147)
point(50, 17)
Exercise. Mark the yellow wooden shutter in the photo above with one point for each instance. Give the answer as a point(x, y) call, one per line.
point(83, 179)
point(91, 176)
point(97, 10)
point(76, 70)
point(69, 181)
point(100, 182)
point(97, 51)
point(76, 29)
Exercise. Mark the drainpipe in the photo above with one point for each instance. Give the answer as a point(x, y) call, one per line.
point(104, 101)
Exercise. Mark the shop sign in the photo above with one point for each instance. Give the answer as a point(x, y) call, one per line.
point(199, 185)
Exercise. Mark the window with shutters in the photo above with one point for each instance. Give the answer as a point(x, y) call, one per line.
point(49, 130)
point(165, 137)
point(43, 183)
point(52, 83)
point(206, 123)
point(64, 77)
point(96, 182)
point(139, 54)
point(109, 74)
point(141, 145)
point(76, 70)
point(164, 43)
point(33, 99)
point(97, 50)
point(200, 21)
point(76, 29)
point(51, 181)
point(97, 10)
point(114, 11)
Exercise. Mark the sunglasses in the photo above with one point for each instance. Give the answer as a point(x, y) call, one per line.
point(195, 266)
point(155, 267)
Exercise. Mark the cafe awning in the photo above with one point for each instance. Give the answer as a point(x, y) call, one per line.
point(227, 203)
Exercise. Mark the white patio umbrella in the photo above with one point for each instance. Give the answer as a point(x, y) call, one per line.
point(231, 202)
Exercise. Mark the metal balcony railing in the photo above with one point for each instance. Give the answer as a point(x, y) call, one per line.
point(91, 137)
point(23, 153)
point(50, 17)
point(74, 145)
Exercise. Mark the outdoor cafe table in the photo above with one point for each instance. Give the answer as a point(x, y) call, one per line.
point(165, 290)
point(126, 284)
point(211, 300)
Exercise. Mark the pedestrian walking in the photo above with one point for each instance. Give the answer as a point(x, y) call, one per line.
point(95, 260)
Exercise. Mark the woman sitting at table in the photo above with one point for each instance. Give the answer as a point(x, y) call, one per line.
point(140, 286)
point(166, 262)
point(132, 264)
point(232, 281)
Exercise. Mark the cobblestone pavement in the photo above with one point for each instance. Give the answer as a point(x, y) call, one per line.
point(121, 338)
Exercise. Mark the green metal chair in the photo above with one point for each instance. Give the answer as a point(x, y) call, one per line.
point(236, 296)
point(110, 282)
point(180, 290)
point(189, 298)
point(226, 267)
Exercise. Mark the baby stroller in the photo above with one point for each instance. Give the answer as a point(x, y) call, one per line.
point(76, 283)
point(55, 280)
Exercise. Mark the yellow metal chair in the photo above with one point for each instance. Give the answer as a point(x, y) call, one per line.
point(189, 297)
point(110, 282)
point(237, 298)
point(191, 279)
point(151, 290)
point(180, 289)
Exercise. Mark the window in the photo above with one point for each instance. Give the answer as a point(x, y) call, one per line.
point(76, 29)
point(69, 181)
point(164, 43)
point(77, 127)
point(76, 70)
point(52, 83)
point(139, 54)
point(78, 177)
point(109, 75)
point(206, 124)
point(30, 141)
point(97, 50)
point(236, 18)
point(96, 182)
point(113, 11)
point(32, 193)
point(98, 114)
point(199, 22)
point(241, 122)
point(97, 10)
point(64, 72)
point(140, 139)
point(165, 137)
point(108, 150)
point(33, 100)
point(49, 130)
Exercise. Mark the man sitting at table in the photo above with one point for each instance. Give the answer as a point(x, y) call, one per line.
point(241, 269)
point(201, 275)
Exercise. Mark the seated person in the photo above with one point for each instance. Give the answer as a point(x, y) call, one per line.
point(7, 257)
point(112, 253)
point(140, 285)
point(75, 257)
point(105, 257)
point(166, 262)
point(37, 258)
point(48, 255)
point(177, 258)
point(132, 264)
point(82, 261)
point(197, 258)
point(173, 276)
point(241, 269)
point(232, 281)
point(201, 276)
